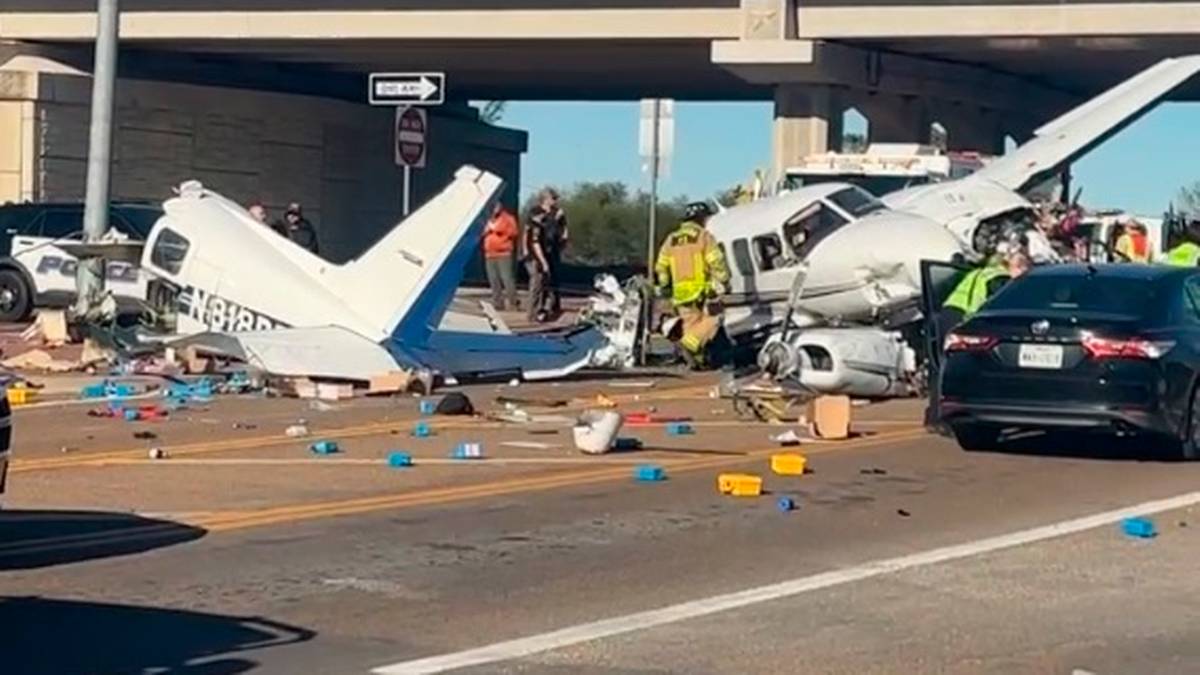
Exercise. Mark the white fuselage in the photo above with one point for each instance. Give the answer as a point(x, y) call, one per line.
point(859, 268)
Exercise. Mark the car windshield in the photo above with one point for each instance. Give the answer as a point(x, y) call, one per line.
point(1082, 293)
point(855, 201)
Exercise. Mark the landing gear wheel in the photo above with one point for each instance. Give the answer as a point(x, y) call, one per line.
point(16, 298)
point(973, 437)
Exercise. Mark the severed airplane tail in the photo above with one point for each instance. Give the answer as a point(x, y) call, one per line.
point(408, 278)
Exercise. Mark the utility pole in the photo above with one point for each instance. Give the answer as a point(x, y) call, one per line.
point(651, 239)
point(89, 279)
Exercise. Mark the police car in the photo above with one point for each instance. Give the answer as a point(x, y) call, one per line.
point(36, 273)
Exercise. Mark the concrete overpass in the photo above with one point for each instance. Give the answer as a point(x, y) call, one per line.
point(982, 69)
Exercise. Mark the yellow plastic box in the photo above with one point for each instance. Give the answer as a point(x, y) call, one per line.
point(21, 395)
point(788, 463)
point(739, 484)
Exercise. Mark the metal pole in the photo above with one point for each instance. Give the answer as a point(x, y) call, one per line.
point(651, 238)
point(406, 206)
point(89, 278)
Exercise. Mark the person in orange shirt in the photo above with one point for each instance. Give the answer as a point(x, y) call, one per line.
point(499, 240)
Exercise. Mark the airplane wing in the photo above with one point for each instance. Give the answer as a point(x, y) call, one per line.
point(1079, 131)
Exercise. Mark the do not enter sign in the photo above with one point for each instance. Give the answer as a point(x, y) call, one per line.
point(412, 137)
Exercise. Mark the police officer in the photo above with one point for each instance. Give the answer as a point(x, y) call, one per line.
point(692, 268)
point(1187, 252)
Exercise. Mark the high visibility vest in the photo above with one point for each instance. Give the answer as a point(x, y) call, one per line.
point(692, 264)
point(1186, 254)
point(972, 291)
point(1134, 248)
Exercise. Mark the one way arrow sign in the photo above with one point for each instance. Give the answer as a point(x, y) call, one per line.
point(407, 89)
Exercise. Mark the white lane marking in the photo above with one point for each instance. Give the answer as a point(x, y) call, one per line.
point(333, 461)
point(521, 647)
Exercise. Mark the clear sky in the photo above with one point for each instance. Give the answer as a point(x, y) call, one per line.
point(720, 144)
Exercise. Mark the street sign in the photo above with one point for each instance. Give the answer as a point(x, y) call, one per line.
point(412, 137)
point(665, 147)
point(407, 89)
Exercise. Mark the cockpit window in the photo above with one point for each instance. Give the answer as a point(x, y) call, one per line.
point(855, 201)
point(169, 251)
point(809, 226)
point(769, 251)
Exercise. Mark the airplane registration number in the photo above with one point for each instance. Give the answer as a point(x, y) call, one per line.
point(1045, 357)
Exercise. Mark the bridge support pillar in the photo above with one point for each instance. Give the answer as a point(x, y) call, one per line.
point(808, 119)
point(896, 119)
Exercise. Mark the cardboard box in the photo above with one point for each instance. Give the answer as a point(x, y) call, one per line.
point(829, 417)
point(330, 391)
point(393, 382)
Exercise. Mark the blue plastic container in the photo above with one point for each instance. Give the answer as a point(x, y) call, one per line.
point(399, 460)
point(680, 429)
point(649, 473)
point(1142, 528)
point(324, 447)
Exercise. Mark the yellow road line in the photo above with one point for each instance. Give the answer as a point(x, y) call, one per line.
point(237, 520)
point(435, 496)
point(205, 447)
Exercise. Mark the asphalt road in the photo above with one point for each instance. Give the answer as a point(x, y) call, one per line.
point(906, 555)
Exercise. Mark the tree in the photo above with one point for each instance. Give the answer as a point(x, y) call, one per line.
point(1188, 200)
point(609, 224)
point(491, 112)
point(853, 142)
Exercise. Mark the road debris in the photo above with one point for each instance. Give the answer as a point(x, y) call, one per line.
point(296, 431)
point(1140, 528)
point(739, 484)
point(680, 429)
point(157, 453)
point(787, 438)
point(422, 430)
point(530, 445)
point(399, 460)
point(649, 473)
point(455, 403)
point(145, 435)
point(873, 471)
point(468, 451)
point(596, 430)
point(789, 463)
point(324, 448)
point(902, 513)
point(426, 407)
point(785, 504)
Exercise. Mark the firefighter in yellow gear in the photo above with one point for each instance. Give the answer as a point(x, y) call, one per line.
point(691, 268)
point(1187, 252)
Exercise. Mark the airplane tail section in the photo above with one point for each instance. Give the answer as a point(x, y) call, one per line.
point(1077, 132)
point(408, 278)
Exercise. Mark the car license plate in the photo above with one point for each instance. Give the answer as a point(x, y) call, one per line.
point(1049, 357)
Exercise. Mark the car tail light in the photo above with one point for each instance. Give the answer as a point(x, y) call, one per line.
point(959, 342)
point(1133, 348)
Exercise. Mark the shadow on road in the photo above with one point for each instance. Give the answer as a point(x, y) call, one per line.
point(44, 636)
point(1088, 446)
point(31, 539)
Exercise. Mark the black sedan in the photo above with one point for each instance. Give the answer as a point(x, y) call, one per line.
point(1105, 348)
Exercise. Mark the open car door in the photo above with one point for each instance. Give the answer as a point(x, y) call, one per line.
point(938, 281)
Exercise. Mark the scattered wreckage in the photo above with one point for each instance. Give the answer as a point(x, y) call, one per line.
point(294, 314)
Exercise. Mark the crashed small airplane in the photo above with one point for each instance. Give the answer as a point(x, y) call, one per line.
point(240, 289)
point(988, 207)
point(845, 267)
